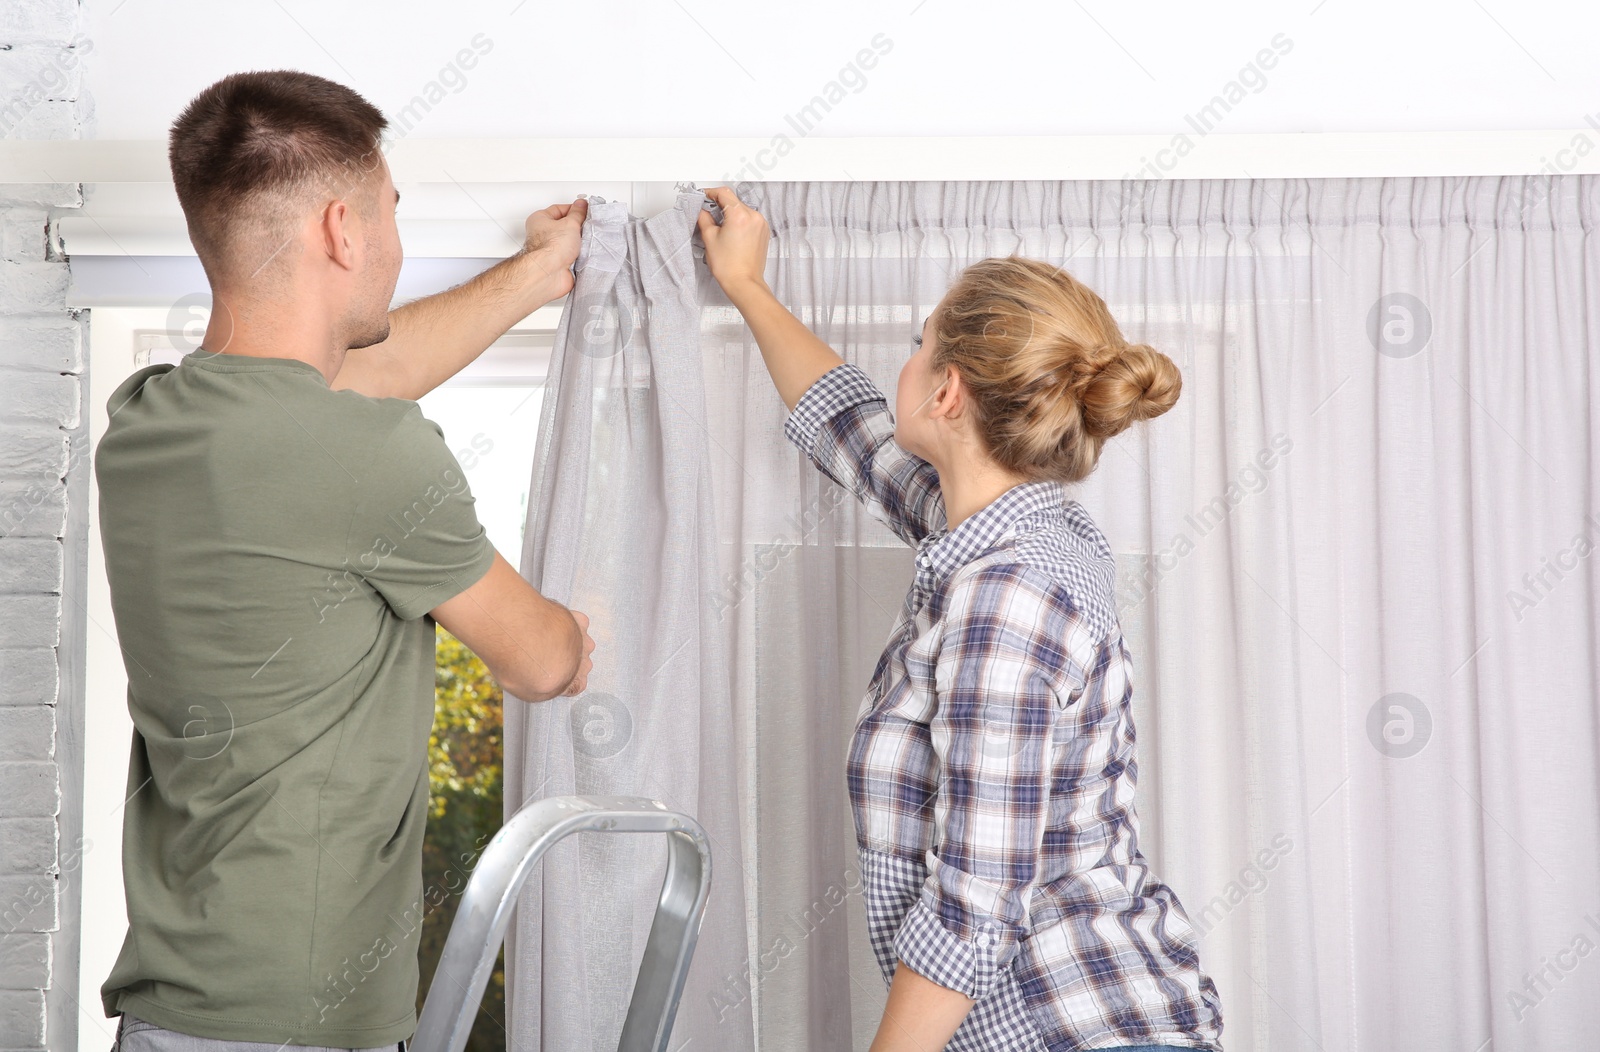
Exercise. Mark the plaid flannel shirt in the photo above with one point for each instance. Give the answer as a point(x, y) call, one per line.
point(992, 768)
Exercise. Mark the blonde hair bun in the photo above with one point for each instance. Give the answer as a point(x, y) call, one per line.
point(1050, 375)
point(1138, 383)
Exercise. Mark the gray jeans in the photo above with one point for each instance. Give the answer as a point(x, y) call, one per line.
point(136, 1035)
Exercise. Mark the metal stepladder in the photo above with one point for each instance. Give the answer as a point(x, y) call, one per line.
point(485, 911)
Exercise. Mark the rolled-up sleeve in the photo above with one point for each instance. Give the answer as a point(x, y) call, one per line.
point(1003, 673)
point(843, 424)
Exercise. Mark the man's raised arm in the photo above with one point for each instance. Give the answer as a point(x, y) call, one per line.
point(433, 338)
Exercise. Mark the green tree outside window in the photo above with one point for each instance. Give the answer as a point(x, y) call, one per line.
point(466, 789)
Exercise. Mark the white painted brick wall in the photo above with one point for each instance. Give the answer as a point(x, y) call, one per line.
point(24, 962)
point(30, 845)
point(42, 389)
point(27, 733)
point(30, 903)
point(22, 1018)
point(40, 398)
point(30, 621)
point(31, 509)
point(29, 566)
point(31, 453)
point(27, 675)
point(52, 342)
point(41, 21)
point(30, 789)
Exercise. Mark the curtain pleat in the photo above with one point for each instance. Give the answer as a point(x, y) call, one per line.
point(620, 527)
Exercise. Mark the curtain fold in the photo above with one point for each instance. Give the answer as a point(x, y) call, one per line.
point(1355, 575)
point(620, 527)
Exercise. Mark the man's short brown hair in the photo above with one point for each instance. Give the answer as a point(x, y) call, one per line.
point(251, 152)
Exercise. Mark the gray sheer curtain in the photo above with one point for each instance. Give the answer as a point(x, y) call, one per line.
point(620, 527)
point(1357, 582)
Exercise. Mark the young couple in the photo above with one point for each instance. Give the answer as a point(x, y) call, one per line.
point(278, 787)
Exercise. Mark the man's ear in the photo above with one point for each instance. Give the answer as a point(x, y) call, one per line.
point(337, 242)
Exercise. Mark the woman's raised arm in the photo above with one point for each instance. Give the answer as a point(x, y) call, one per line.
point(844, 426)
point(736, 254)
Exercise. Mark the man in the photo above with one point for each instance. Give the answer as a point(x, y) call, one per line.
point(282, 527)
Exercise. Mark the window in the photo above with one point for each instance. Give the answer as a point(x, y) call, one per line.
point(489, 413)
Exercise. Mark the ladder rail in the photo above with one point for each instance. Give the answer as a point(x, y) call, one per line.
point(481, 920)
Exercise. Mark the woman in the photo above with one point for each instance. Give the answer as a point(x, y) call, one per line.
point(992, 771)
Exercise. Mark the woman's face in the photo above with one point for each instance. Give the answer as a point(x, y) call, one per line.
point(919, 392)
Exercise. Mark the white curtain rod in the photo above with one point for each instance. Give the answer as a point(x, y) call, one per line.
point(710, 162)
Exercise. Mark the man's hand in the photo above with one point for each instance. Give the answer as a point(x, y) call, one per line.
point(526, 640)
point(580, 681)
point(555, 234)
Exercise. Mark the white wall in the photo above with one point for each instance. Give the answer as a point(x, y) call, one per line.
point(723, 68)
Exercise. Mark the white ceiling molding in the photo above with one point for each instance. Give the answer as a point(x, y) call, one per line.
point(728, 160)
point(435, 219)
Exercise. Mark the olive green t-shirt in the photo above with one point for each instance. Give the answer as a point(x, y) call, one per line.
point(273, 548)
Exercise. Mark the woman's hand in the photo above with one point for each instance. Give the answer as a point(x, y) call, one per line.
point(736, 251)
